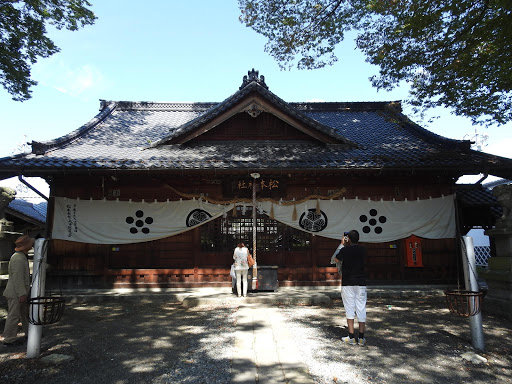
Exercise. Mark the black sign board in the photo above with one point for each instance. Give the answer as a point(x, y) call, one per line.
point(265, 187)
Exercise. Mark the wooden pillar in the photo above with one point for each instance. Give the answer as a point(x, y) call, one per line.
point(313, 256)
point(104, 257)
point(196, 251)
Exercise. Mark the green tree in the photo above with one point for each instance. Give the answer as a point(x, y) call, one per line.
point(452, 53)
point(23, 37)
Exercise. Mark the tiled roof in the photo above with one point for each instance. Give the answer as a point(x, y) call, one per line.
point(473, 196)
point(492, 184)
point(138, 135)
point(28, 211)
point(253, 88)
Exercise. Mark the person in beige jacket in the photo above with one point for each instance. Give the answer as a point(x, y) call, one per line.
point(17, 290)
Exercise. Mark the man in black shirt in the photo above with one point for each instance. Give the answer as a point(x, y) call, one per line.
point(353, 284)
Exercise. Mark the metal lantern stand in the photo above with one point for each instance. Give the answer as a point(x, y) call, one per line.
point(464, 303)
point(46, 310)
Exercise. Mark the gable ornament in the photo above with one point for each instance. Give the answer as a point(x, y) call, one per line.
point(253, 76)
point(254, 109)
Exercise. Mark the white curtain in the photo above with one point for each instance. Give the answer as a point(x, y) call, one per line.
point(121, 222)
point(376, 221)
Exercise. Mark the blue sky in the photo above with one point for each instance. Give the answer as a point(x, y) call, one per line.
point(194, 50)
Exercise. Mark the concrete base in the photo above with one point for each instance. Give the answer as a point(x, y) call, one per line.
point(194, 297)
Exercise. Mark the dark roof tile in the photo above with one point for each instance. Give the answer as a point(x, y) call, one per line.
point(24, 208)
point(128, 135)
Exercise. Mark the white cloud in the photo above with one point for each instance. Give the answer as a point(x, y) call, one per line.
point(24, 192)
point(79, 80)
point(500, 147)
point(73, 81)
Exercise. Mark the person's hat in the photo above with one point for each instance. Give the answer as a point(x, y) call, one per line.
point(24, 243)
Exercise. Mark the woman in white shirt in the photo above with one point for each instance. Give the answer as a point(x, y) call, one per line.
point(241, 268)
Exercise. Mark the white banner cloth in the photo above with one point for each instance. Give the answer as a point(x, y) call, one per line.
point(376, 221)
point(122, 222)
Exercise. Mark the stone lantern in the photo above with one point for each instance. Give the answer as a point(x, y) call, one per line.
point(499, 273)
point(7, 235)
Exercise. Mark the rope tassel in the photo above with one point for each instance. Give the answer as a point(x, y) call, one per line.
point(294, 214)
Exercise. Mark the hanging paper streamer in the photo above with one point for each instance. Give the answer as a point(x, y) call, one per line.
point(294, 214)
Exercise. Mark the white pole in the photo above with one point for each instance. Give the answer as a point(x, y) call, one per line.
point(35, 332)
point(470, 279)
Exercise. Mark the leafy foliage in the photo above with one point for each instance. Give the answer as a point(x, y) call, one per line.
point(455, 54)
point(23, 37)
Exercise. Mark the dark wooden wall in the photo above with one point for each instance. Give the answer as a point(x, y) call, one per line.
point(179, 262)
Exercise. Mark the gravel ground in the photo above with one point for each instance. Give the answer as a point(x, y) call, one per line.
point(129, 341)
point(154, 341)
point(416, 341)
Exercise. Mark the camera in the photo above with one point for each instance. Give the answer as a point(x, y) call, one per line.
point(345, 235)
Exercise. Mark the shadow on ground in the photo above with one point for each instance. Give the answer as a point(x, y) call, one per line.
point(151, 340)
point(415, 341)
point(128, 341)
